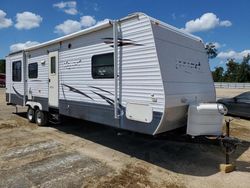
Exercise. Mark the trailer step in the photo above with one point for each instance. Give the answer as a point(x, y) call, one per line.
point(11, 104)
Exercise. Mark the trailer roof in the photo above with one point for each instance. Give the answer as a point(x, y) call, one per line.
point(107, 24)
point(70, 36)
point(15, 52)
point(163, 24)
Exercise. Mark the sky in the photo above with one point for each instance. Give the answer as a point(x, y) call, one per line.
point(225, 23)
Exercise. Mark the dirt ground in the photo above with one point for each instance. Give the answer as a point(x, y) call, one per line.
point(82, 154)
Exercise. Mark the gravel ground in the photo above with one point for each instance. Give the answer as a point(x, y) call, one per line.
point(82, 154)
point(226, 93)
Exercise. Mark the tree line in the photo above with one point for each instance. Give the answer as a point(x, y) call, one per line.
point(234, 72)
point(2, 66)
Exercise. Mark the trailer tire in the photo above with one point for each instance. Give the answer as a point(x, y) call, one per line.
point(31, 115)
point(41, 118)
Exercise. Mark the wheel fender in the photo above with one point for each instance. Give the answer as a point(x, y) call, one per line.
point(33, 104)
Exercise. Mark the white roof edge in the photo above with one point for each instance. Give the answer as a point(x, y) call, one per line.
point(15, 52)
point(70, 36)
point(170, 27)
point(108, 23)
point(177, 30)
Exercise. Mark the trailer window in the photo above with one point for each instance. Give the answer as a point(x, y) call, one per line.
point(33, 70)
point(103, 66)
point(53, 65)
point(17, 71)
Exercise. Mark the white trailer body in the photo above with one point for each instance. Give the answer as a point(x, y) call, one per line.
point(160, 71)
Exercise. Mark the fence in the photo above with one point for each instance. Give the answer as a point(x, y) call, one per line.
point(231, 85)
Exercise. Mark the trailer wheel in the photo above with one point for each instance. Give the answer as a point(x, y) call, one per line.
point(41, 118)
point(31, 115)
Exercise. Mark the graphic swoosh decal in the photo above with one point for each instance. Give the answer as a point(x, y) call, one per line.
point(17, 93)
point(101, 89)
point(77, 91)
point(120, 41)
point(108, 100)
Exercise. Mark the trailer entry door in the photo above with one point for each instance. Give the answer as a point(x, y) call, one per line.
point(53, 79)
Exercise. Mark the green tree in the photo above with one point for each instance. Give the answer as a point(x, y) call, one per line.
point(2, 66)
point(218, 74)
point(244, 70)
point(231, 74)
point(211, 50)
point(235, 72)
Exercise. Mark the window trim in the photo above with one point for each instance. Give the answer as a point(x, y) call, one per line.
point(29, 70)
point(18, 61)
point(101, 78)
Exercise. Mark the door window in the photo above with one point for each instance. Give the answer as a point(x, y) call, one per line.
point(53, 65)
point(17, 71)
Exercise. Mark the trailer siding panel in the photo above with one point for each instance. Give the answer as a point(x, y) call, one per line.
point(141, 76)
point(140, 68)
point(185, 73)
point(187, 70)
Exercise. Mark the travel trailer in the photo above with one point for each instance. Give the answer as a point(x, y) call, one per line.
point(136, 73)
